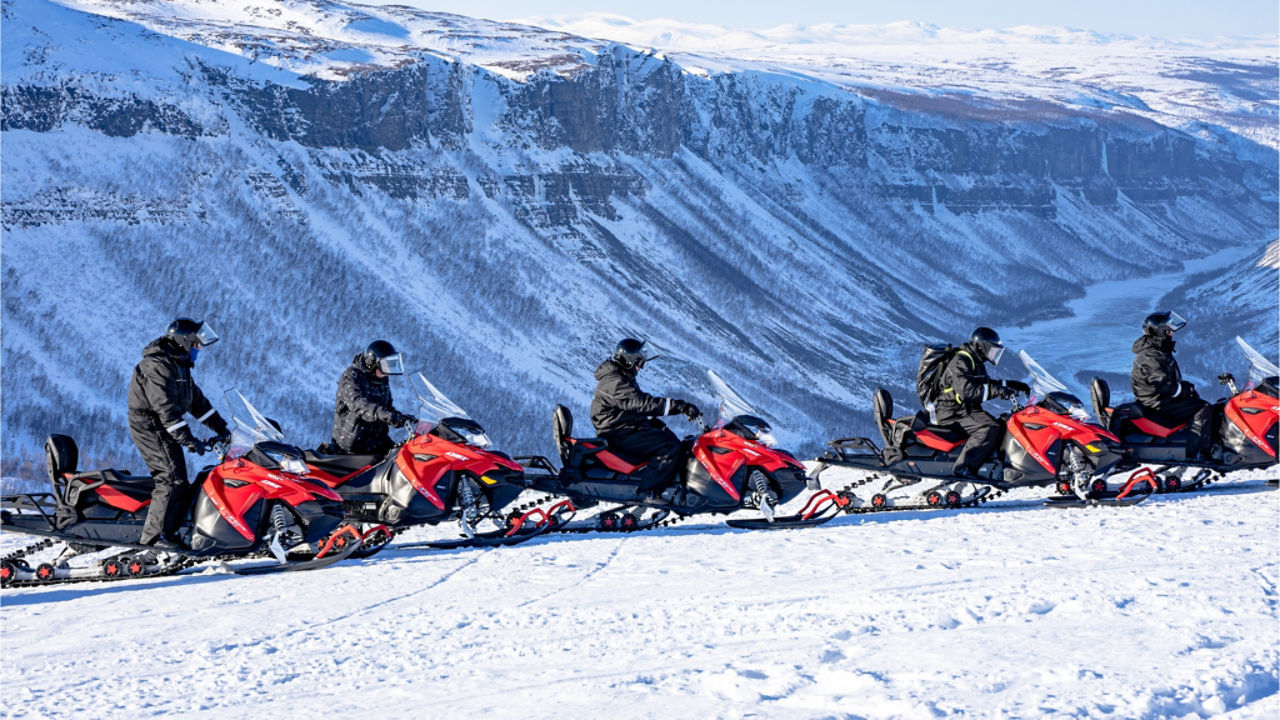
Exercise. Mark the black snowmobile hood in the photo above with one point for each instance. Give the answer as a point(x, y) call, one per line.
point(164, 347)
point(611, 366)
point(1154, 343)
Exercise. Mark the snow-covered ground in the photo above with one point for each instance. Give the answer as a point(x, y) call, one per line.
point(1167, 609)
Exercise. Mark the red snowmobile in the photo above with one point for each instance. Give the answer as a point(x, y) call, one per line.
point(1048, 442)
point(1245, 437)
point(725, 468)
point(443, 471)
point(258, 499)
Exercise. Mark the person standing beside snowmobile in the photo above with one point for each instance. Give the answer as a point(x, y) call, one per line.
point(362, 413)
point(161, 392)
point(965, 386)
point(1159, 388)
point(626, 417)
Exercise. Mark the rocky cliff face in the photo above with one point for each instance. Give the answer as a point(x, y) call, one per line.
point(505, 221)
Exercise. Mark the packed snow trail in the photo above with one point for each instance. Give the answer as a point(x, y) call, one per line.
point(1168, 609)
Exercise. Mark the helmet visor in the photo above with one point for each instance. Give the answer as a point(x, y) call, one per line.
point(994, 353)
point(1175, 322)
point(205, 336)
point(392, 364)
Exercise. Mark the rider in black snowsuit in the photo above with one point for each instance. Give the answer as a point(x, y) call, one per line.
point(161, 392)
point(965, 386)
point(363, 412)
point(1159, 388)
point(626, 417)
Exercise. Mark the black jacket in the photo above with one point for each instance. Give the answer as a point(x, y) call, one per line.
point(362, 412)
point(161, 392)
point(619, 405)
point(965, 385)
point(1155, 377)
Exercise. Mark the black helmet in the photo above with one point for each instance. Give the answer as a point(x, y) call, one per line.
point(381, 356)
point(987, 341)
point(630, 353)
point(1157, 323)
point(189, 333)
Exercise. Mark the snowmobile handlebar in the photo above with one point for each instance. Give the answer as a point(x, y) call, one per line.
point(1229, 380)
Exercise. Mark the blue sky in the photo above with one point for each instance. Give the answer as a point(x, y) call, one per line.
point(1167, 18)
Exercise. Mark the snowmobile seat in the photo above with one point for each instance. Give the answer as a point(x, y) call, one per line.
point(339, 465)
point(942, 439)
point(1148, 426)
point(126, 492)
point(586, 454)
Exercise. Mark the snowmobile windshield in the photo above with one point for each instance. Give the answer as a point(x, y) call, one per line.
point(1043, 385)
point(1260, 367)
point(433, 407)
point(250, 427)
point(737, 415)
point(731, 403)
point(205, 336)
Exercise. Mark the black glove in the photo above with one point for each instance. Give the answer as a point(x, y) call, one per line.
point(681, 407)
point(1187, 390)
point(218, 425)
point(196, 446)
point(1018, 386)
point(998, 390)
point(399, 419)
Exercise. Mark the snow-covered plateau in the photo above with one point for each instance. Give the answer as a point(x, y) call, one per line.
point(1164, 610)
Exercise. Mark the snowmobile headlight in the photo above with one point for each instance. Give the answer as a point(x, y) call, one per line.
point(291, 464)
point(479, 439)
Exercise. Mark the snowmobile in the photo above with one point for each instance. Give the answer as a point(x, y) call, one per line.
point(1050, 441)
point(444, 470)
point(256, 500)
point(1245, 434)
point(730, 466)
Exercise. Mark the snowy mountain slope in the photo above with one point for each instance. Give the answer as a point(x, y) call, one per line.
point(504, 226)
point(1165, 610)
point(1201, 86)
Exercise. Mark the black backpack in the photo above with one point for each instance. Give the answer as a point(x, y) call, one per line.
point(929, 377)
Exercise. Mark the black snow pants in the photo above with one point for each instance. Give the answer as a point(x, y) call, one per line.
point(168, 466)
point(984, 434)
point(657, 446)
point(1197, 414)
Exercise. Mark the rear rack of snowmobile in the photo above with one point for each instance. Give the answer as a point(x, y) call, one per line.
point(844, 449)
point(42, 503)
point(537, 462)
